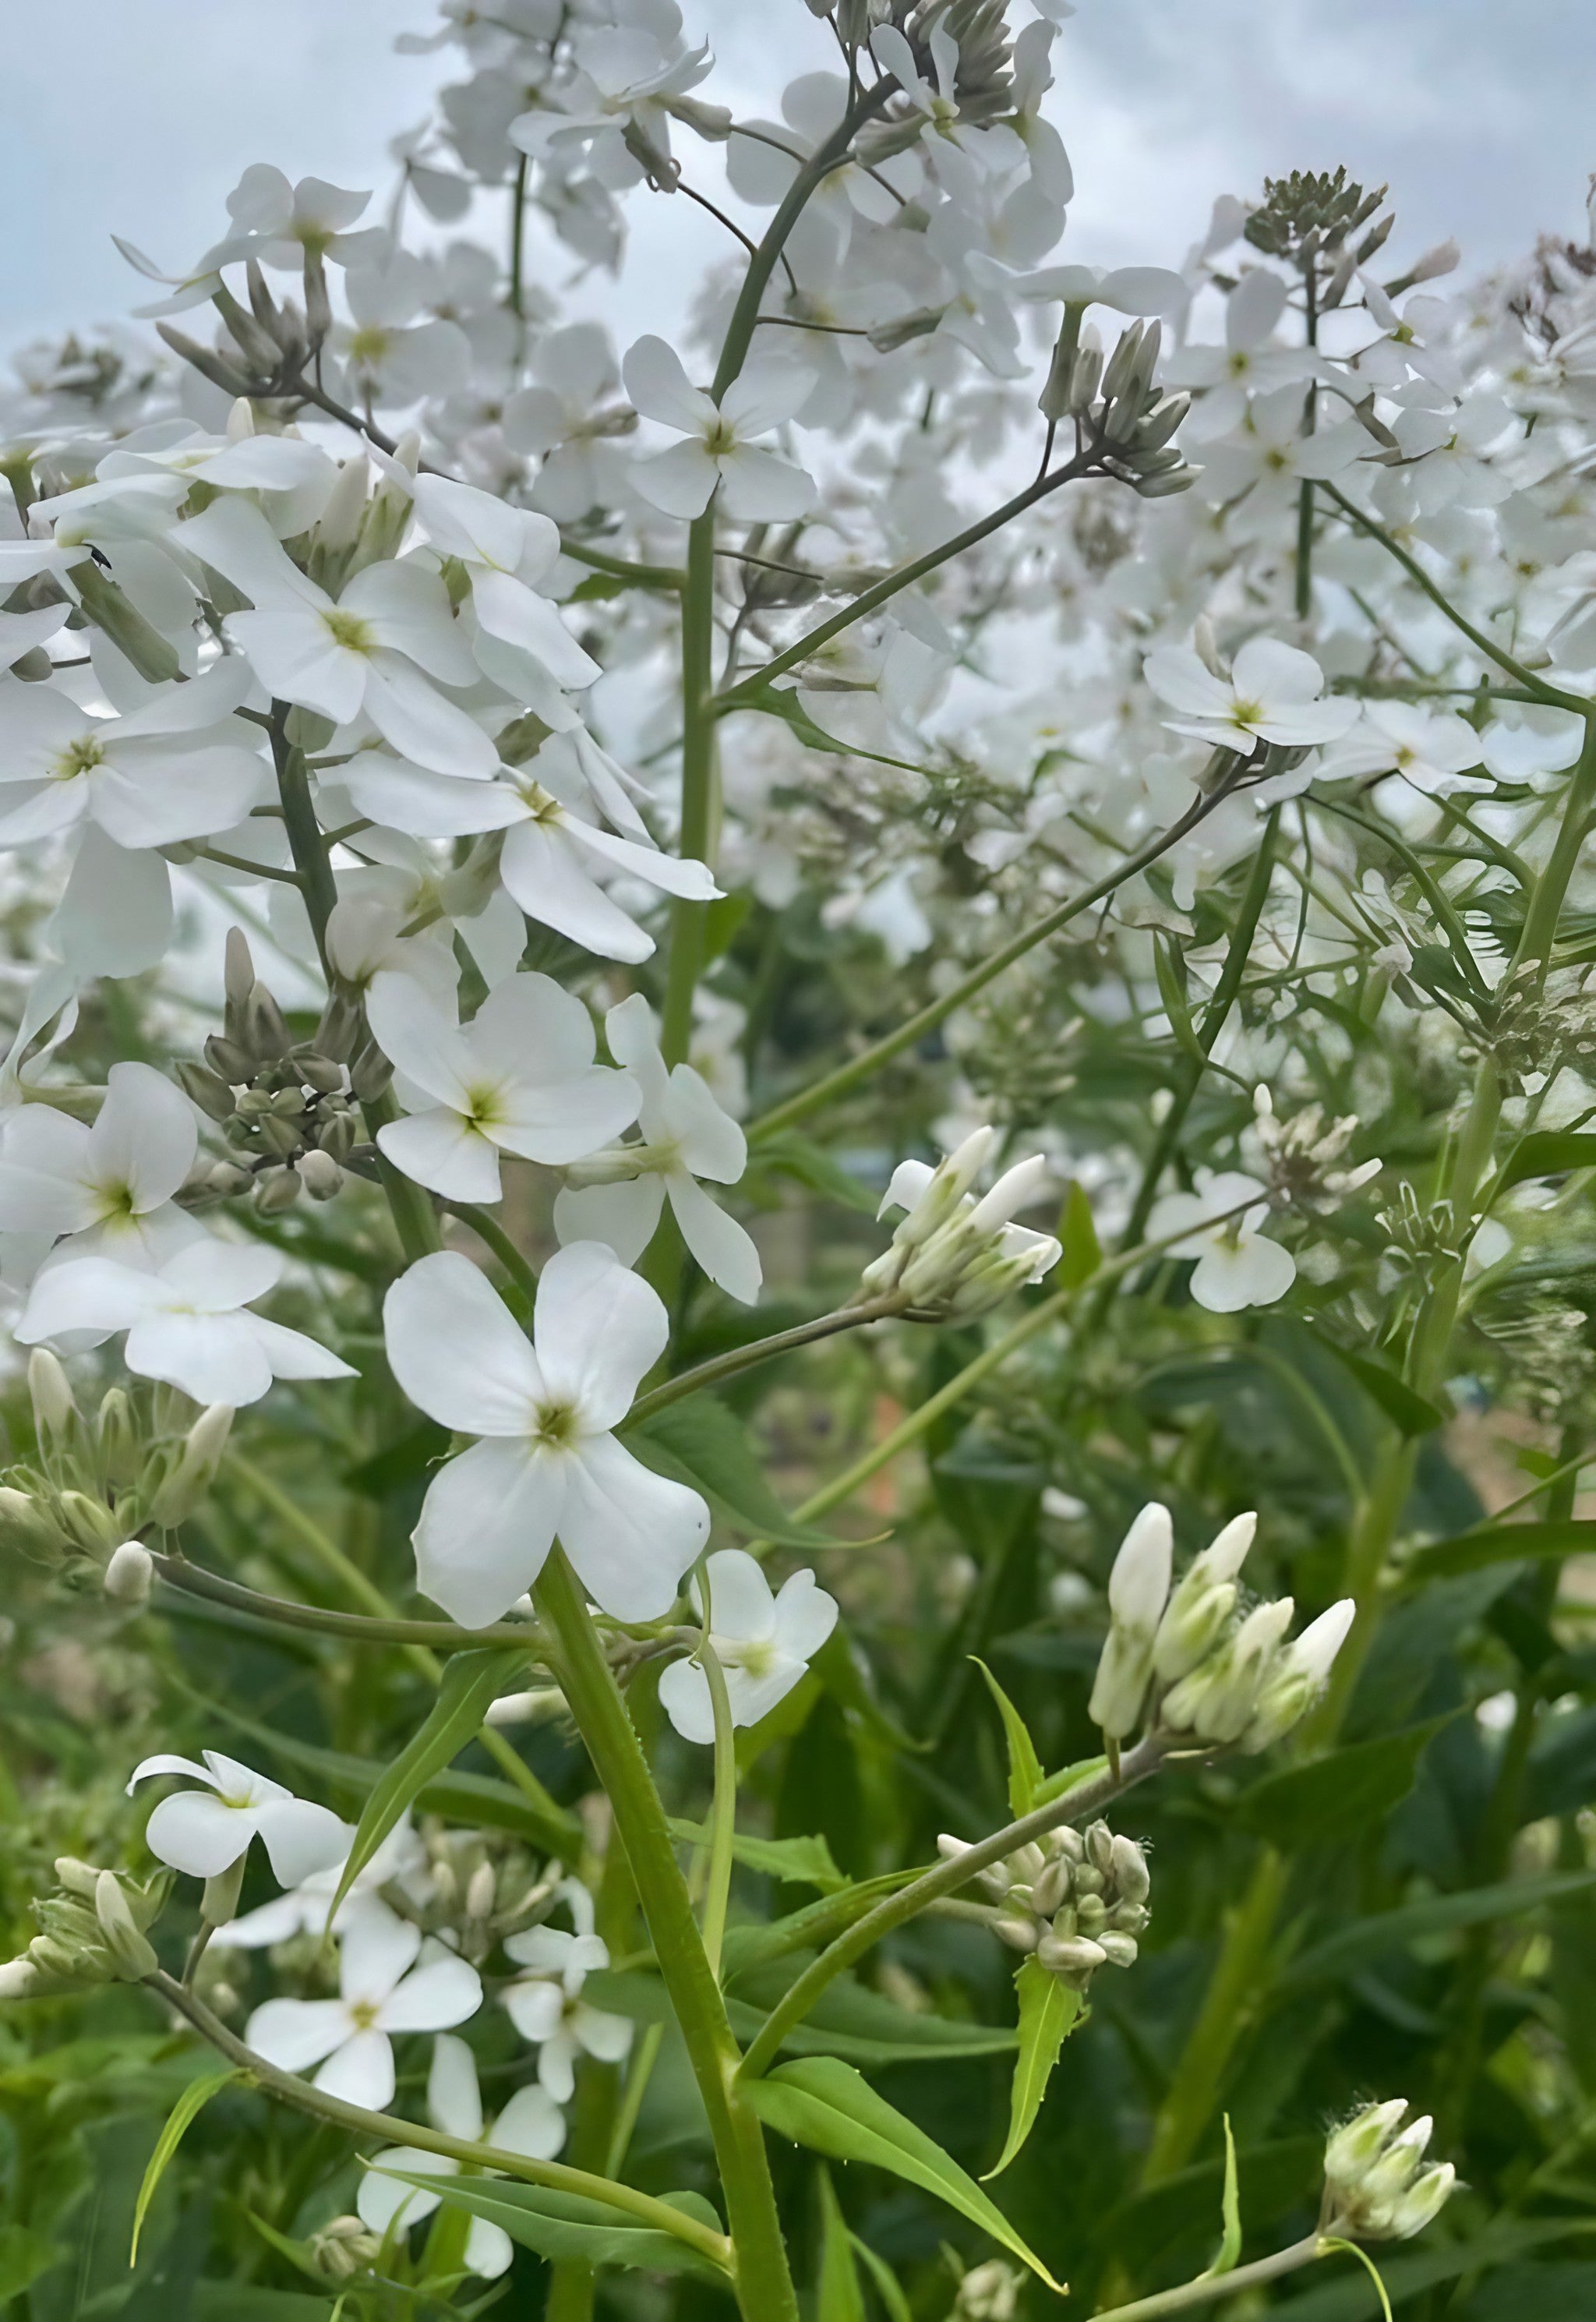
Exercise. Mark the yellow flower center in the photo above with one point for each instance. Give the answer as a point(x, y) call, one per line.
point(348, 630)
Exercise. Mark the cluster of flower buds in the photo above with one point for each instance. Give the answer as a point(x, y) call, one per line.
point(1194, 1663)
point(473, 1893)
point(1074, 1900)
point(93, 1929)
point(1377, 2184)
point(343, 2247)
point(954, 1254)
point(142, 1460)
point(287, 1108)
point(1122, 415)
point(989, 2293)
point(1298, 1157)
point(267, 343)
point(1420, 1234)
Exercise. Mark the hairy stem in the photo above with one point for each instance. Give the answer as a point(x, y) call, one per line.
point(193, 1580)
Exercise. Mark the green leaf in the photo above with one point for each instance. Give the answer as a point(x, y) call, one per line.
point(1409, 1413)
point(1340, 1795)
point(1083, 1770)
point(699, 1442)
point(791, 1156)
point(825, 2104)
point(810, 1929)
point(565, 2225)
point(841, 2296)
point(470, 1682)
point(1078, 1231)
point(1049, 2011)
point(1024, 1767)
point(195, 2097)
point(841, 1670)
point(848, 2020)
point(1469, 1551)
point(1352, 1947)
point(25, 2255)
point(1549, 1153)
point(805, 1861)
point(1229, 2248)
point(885, 2281)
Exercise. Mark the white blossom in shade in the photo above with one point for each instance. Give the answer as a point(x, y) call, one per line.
point(1272, 694)
point(720, 449)
point(1525, 742)
point(549, 1462)
point(531, 2123)
point(545, 2003)
point(204, 1832)
point(1219, 1225)
point(107, 1187)
point(616, 1197)
point(1433, 749)
point(181, 767)
point(374, 649)
point(506, 552)
point(1248, 363)
point(187, 1322)
point(388, 1981)
point(519, 1078)
point(763, 1640)
point(552, 852)
point(401, 1860)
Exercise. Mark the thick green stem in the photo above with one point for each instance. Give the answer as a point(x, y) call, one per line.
point(1551, 889)
point(764, 2282)
point(723, 1813)
point(700, 785)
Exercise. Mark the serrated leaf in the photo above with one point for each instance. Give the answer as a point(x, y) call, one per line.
point(1409, 1413)
point(803, 1861)
point(701, 1442)
point(470, 1682)
point(565, 2226)
point(1470, 1551)
point(841, 2295)
point(825, 2104)
point(1024, 1767)
point(1340, 1795)
point(195, 2097)
point(1049, 2011)
point(1229, 2249)
point(1078, 1233)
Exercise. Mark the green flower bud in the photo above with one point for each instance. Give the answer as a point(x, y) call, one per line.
point(129, 1946)
point(275, 1191)
point(119, 1436)
point(203, 1088)
point(89, 1522)
point(183, 1489)
point(55, 1407)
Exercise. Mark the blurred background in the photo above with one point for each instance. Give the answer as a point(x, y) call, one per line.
point(138, 120)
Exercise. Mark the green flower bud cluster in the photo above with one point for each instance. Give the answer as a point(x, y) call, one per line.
point(343, 2247)
point(1075, 1900)
point(989, 2293)
point(1310, 211)
point(93, 1929)
point(1194, 1663)
point(143, 1459)
point(287, 1108)
point(952, 1255)
point(1377, 2184)
point(477, 1891)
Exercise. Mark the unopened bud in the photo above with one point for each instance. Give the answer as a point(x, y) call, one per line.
point(130, 1573)
point(54, 1405)
point(18, 1977)
point(479, 1891)
point(133, 1951)
point(1014, 1190)
point(238, 969)
point(1220, 1698)
point(1297, 1677)
point(89, 1521)
point(320, 1175)
point(230, 1063)
point(218, 1902)
point(1138, 1586)
point(275, 1191)
point(342, 2247)
point(196, 1470)
point(370, 1073)
point(264, 1028)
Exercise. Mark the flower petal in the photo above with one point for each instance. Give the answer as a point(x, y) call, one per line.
point(724, 1249)
point(360, 2072)
point(629, 1533)
point(195, 1832)
point(301, 1838)
point(292, 2033)
point(487, 1523)
point(438, 1993)
point(544, 872)
point(457, 1351)
point(597, 1328)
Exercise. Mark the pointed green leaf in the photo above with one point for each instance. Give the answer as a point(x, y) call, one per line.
point(888, 2288)
point(1510, 1543)
point(1341, 1795)
point(565, 2225)
point(1024, 1767)
point(702, 1442)
point(470, 1682)
point(198, 2094)
point(1078, 1232)
point(1351, 1947)
point(1550, 1152)
point(848, 2020)
point(1049, 2011)
point(1409, 1413)
point(841, 2296)
point(803, 1861)
point(1229, 2249)
point(825, 2104)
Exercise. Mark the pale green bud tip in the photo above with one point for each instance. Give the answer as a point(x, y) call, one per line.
point(1139, 1584)
point(133, 1952)
point(130, 1573)
point(1377, 2183)
point(1315, 1650)
point(54, 1405)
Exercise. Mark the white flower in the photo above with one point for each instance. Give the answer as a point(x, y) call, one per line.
point(518, 1078)
point(720, 450)
point(1524, 742)
point(1236, 1265)
point(389, 355)
point(1433, 749)
point(363, 652)
point(389, 1981)
point(1271, 695)
point(506, 551)
point(205, 1832)
point(550, 1462)
point(108, 1188)
point(531, 2123)
point(763, 1642)
point(303, 1909)
point(545, 2005)
point(564, 417)
point(1248, 362)
point(181, 767)
point(185, 1323)
point(618, 1197)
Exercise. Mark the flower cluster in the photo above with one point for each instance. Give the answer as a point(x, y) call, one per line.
point(1074, 1900)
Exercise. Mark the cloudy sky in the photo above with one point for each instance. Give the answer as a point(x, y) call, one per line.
point(138, 119)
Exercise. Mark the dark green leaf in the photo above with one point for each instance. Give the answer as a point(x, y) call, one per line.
point(1409, 1413)
point(803, 1861)
point(826, 2105)
point(1024, 1767)
point(1049, 2011)
point(1468, 1551)
point(1550, 1152)
point(1354, 1947)
point(1340, 1796)
point(1229, 2249)
point(699, 1442)
point(565, 2226)
point(195, 2097)
point(1561, 1775)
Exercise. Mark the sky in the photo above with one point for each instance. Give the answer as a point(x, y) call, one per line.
point(137, 120)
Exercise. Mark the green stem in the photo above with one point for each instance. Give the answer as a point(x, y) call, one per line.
point(489, 1229)
point(1540, 921)
point(1088, 1797)
point(1208, 2288)
point(764, 2282)
point(700, 785)
point(306, 845)
point(638, 2076)
point(556, 2176)
point(761, 1350)
point(195, 1580)
point(516, 300)
point(723, 1811)
point(668, 579)
point(847, 1076)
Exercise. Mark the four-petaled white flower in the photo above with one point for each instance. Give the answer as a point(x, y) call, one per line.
point(506, 551)
point(204, 1832)
point(401, 1860)
point(365, 651)
point(187, 1323)
point(518, 1078)
point(1237, 1265)
point(616, 1197)
point(1433, 749)
point(721, 450)
point(549, 1461)
point(763, 1642)
point(388, 1981)
point(107, 1187)
point(1272, 694)
point(531, 2123)
point(545, 2004)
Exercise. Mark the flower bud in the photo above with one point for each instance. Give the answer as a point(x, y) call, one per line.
point(218, 1902)
point(1375, 2182)
point(89, 1522)
point(238, 968)
point(196, 1468)
point(1297, 1677)
point(1202, 1604)
point(1014, 1190)
point(1138, 1586)
point(342, 2247)
point(130, 1573)
point(276, 1190)
point(118, 1436)
point(1070, 1957)
point(203, 1088)
point(1218, 1698)
point(55, 1407)
point(1019, 1935)
point(130, 1948)
point(320, 1175)
point(18, 1977)
point(479, 1891)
